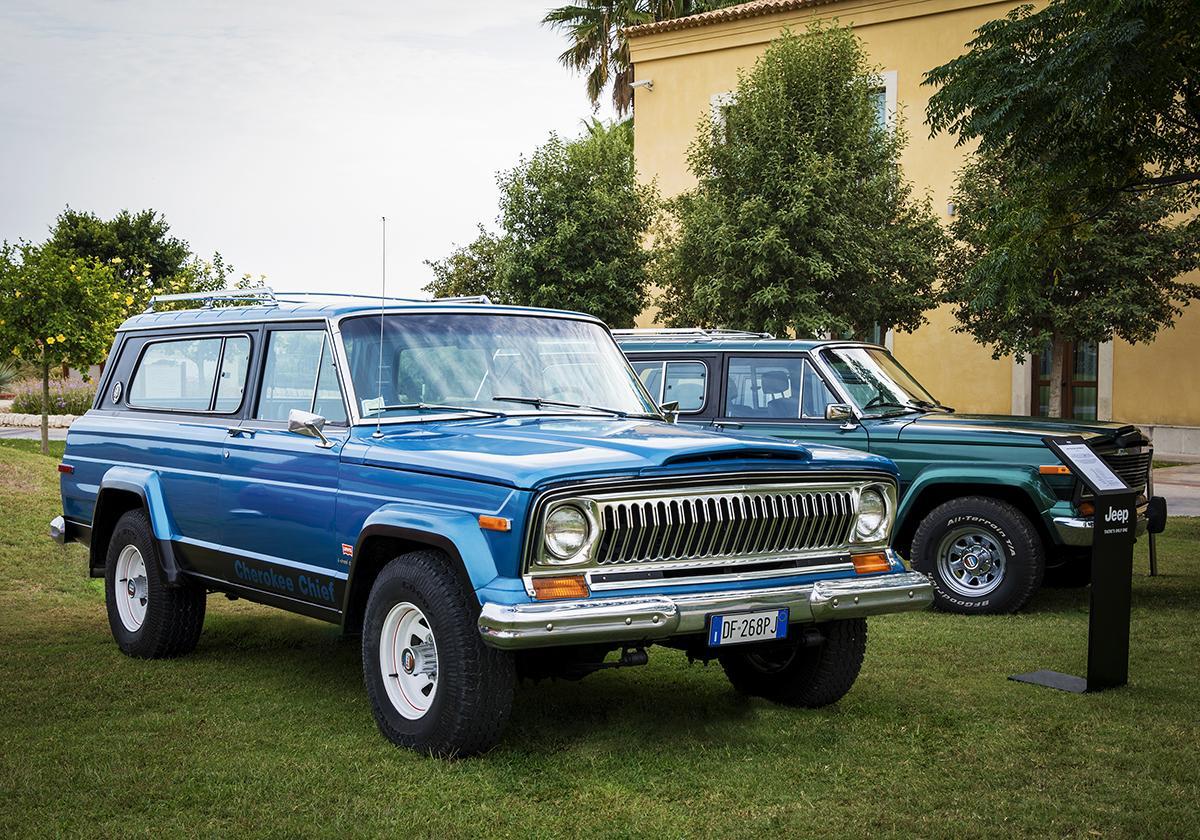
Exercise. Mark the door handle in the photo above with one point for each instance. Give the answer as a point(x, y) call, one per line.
point(722, 424)
point(238, 431)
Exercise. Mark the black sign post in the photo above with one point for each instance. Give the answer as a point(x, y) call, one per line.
point(1113, 533)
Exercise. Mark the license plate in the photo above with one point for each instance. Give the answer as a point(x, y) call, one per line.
point(738, 628)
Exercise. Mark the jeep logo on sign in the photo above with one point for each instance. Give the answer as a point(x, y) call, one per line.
point(1115, 515)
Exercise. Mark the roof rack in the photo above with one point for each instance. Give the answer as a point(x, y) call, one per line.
point(259, 295)
point(364, 296)
point(688, 334)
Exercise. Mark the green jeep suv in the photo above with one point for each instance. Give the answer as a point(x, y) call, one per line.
point(986, 509)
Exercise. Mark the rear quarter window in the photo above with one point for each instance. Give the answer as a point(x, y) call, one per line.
point(197, 374)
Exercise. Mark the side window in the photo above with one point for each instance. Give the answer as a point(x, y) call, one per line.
point(816, 394)
point(182, 375)
point(650, 372)
point(299, 374)
point(231, 382)
point(764, 387)
point(685, 382)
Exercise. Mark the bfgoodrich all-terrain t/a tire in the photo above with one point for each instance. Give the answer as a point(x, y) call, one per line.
point(791, 673)
point(982, 554)
point(434, 686)
point(149, 618)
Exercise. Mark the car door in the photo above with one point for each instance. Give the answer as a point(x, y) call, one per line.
point(783, 395)
point(279, 491)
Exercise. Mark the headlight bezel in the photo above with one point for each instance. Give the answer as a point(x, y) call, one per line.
point(553, 555)
point(881, 533)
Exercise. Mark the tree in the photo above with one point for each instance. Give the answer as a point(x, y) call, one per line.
point(1021, 275)
point(57, 309)
point(574, 218)
point(1102, 95)
point(145, 258)
point(469, 270)
point(801, 221)
point(598, 46)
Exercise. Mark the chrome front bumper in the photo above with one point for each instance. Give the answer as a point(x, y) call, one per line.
point(650, 617)
point(1077, 530)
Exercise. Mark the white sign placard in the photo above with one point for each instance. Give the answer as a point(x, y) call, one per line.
point(1088, 463)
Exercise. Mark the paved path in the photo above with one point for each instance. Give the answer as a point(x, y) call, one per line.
point(1181, 488)
point(30, 434)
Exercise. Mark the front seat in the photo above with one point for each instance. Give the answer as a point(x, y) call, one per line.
point(782, 382)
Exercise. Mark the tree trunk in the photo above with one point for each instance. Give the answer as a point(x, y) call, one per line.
point(45, 405)
point(1058, 374)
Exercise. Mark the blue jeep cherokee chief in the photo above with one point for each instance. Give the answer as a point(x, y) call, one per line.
point(482, 492)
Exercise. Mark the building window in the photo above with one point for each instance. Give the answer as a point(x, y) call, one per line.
point(719, 105)
point(883, 99)
point(1080, 385)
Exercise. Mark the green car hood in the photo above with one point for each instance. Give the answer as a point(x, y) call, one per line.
point(1001, 429)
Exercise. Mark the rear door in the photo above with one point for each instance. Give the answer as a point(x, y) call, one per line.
point(280, 488)
point(783, 395)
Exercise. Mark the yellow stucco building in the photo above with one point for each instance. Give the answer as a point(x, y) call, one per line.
point(690, 65)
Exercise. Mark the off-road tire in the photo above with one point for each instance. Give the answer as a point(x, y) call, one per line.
point(789, 673)
point(1008, 528)
point(475, 683)
point(174, 613)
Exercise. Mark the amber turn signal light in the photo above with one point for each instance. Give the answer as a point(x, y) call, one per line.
point(546, 589)
point(495, 523)
point(1086, 508)
point(1054, 469)
point(865, 564)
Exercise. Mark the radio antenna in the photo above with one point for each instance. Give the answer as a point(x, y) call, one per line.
point(382, 301)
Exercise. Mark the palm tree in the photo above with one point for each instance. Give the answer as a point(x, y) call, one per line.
point(598, 47)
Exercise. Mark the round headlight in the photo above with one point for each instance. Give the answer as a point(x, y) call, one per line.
point(566, 531)
point(872, 514)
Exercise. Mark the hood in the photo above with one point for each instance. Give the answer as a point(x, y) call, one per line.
point(526, 452)
point(1009, 430)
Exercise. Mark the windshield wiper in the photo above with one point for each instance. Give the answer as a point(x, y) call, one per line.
point(419, 406)
point(880, 401)
point(538, 402)
point(931, 406)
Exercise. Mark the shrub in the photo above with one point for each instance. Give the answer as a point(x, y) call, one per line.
point(66, 397)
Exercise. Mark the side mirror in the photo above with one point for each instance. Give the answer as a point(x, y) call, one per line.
point(310, 425)
point(839, 411)
point(670, 411)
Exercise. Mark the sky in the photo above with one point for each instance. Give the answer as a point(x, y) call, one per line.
point(278, 133)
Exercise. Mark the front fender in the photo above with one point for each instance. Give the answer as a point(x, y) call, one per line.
point(145, 485)
point(1023, 478)
point(455, 532)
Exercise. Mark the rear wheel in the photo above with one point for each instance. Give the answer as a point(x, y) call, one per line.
point(149, 618)
point(982, 554)
point(434, 685)
point(794, 674)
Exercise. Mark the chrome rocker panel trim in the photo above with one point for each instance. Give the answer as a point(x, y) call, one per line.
point(651, 617)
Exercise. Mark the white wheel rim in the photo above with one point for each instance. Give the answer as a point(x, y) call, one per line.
point(131, 592)
point(408, 660)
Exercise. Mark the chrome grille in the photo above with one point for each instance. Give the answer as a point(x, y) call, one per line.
point(1132, 467)
point(740, 524)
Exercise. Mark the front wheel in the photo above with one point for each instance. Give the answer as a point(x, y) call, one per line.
point(434, 686)
point(796, 674)
point(983, 556)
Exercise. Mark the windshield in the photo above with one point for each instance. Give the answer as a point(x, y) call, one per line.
point(487, 365)
point(876, 382)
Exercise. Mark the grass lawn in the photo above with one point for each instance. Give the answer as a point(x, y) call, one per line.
point(265, 730)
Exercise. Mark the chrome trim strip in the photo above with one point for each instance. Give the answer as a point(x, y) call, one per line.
point(734, 577)
point(648, 618)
